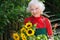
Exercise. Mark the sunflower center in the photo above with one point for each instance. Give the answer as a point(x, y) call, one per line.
point(29, 31)
point(16, 36)
point(28, 25)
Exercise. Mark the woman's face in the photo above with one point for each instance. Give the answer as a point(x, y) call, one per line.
point(35, 10)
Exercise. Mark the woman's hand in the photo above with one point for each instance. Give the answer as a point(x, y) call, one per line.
point(50, 38)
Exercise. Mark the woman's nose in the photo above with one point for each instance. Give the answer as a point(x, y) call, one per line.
point(34, 11)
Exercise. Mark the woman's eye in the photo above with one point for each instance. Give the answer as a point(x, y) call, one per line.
point(36, 8)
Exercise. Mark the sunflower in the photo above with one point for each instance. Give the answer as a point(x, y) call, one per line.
point(15, 36)
point(28, 25)
point(23, 36)
point(30, 32)
point(23, 30)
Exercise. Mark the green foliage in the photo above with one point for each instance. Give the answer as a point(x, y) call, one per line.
point(12, 12)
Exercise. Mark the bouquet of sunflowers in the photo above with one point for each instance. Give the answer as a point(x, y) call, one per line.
point(27, 33)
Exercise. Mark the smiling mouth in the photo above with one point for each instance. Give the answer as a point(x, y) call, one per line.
point(35, 14)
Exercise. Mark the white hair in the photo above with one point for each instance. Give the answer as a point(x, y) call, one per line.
point(36, 2)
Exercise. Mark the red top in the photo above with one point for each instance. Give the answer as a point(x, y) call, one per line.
point(41, 23)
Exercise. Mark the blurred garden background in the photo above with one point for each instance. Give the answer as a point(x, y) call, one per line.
point(13, 13)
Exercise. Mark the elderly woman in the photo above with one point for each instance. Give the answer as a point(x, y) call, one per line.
point(43, 24)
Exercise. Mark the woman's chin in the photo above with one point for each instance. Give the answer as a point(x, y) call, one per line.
point(36, 15)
